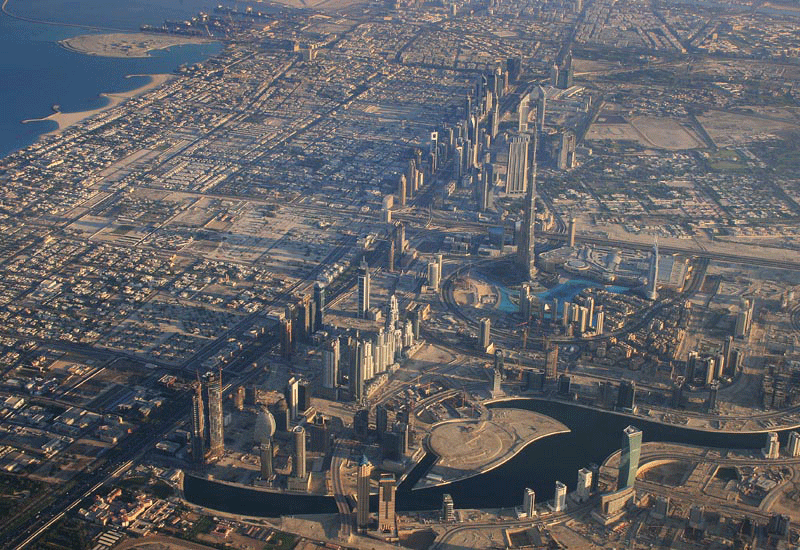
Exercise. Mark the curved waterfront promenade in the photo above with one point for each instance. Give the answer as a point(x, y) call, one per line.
point(754, 424)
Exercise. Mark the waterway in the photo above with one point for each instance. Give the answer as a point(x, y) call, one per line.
point(38, 73)
point(594, 436)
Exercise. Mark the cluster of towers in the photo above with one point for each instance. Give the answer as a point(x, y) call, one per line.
point(387, 519)
point(304, 317)
point(215, 434)
point(354, 359)
point(580, 317)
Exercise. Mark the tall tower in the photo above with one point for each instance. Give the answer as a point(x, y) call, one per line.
point(551, 361)
point(524, 111)
point(362, 493)
point(529, 503)
point(526, 255)
point(265, 455)
point(216, 428)
point(518, 166)
point(573, 222)
point(386, 512)
point(330, 359)
point(198, 424)
point(299, 466)
point(485, 336)
point(402, 190)
point(652, 281)
point(363, 289)
point(541, 105)
point(319, 306)
point(629, 459)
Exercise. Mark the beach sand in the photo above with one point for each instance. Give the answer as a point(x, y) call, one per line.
point(65, 120)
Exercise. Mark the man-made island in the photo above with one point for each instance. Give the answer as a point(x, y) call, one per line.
point(125, 44)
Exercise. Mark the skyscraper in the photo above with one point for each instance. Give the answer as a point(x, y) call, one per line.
point(198, 424)
point(529, 503)
point(402, 190)
point(540, 108)
point(319, 306)
point(518, 166)
point(265, 455)
point(363, 289)
point(772, 449)
point(286, 338)
point(448, 509)
point(629, 458)
point(299, 466)
point(584, 487)
point(216, 428)
point(330, 364)
point(362, 493)
point(526, 255)
point(560, 498)
point(485, 337)
point(652, 281)
point(386, 512)
point(551, 361)
point(524, 111)
point(292, 395)
point(626, 396)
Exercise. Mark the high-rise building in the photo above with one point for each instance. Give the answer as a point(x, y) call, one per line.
point(216, 427)
point(448, 510)
point(529, 503)
point(584, 487)
point(381, 420)
point(626, 396)
point(485, 336)
point(629, 458)
point(524, 111)
point(362, 493)
point(551, 360)
point(330, 364)
point(554, 75)
point(541, 105)
point(566, 151)
point(402, 185)
point(793, 445)
point(299, 466)
point(433, 276)
point(198, 423)
point(564, 385)
point(286, 338)
point(363, 289)
point(265, 454)
point(386, 514)
point(573, 222)
point(390, 254)
point(518, 166)
point(711, 404)
point(652, 281)
point(319, 306)
point(292, 395)
point(560, 498)
point(526, 254)
point(772, 449)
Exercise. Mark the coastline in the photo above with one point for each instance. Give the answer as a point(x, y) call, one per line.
point(127, 44)
point(65, 120)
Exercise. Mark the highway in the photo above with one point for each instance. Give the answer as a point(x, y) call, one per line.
point(340, 457)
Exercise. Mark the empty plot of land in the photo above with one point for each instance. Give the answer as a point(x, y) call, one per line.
point(660, 133)
point(728, 129)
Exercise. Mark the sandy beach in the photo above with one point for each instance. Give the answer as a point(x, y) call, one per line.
point(65, 120)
